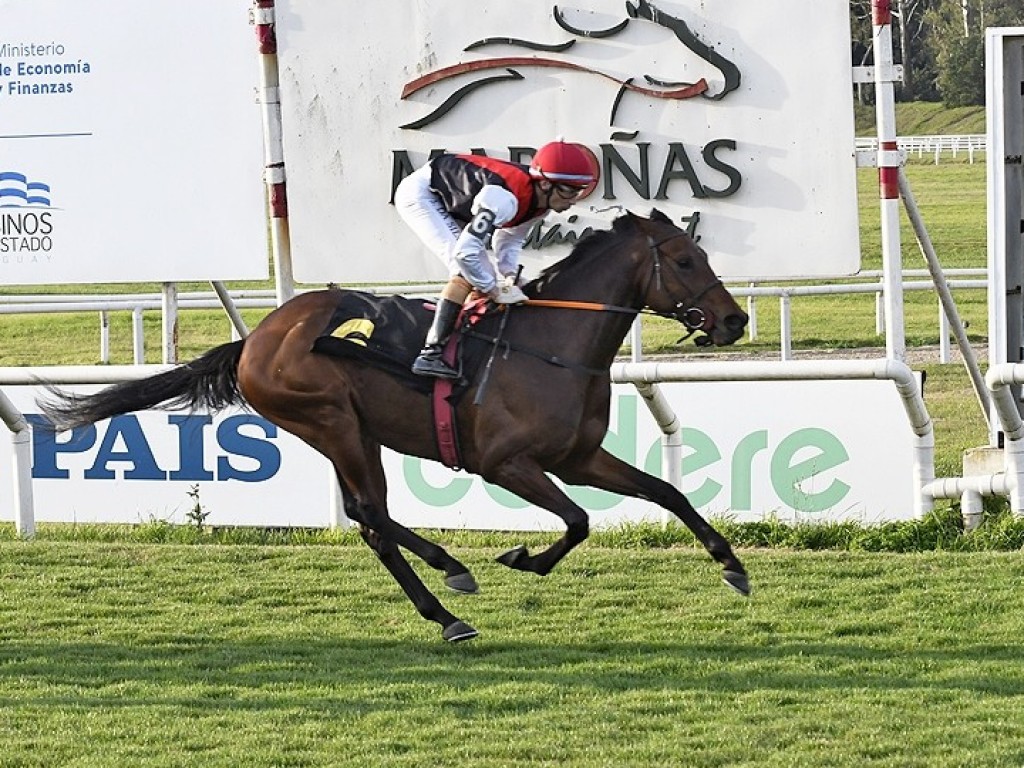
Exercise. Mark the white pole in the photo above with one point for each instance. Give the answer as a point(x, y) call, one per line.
point(671, 435)
point(949, 317)
point(238, 326)
point(21, 440)
point(944, 337)
point(273, 149)
point(169, 326)
point(25, 522)
point(104, 337)
point(752, 314)
point(889, 161)
point(138, 337)
point(636, 344)
point(880, 313)
point(785, 328)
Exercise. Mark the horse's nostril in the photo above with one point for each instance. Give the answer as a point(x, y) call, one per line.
point(736, 322)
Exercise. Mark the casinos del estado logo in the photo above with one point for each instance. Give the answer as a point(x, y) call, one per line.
point(26, 218)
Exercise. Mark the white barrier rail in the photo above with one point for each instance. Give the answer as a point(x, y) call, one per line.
point(21, 430)
point(646, 376)
point(21, 441)
point(865, 282)
point(1009, 482)
point(933, 146)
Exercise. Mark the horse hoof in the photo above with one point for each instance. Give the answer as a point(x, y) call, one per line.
point(738, 581)
point(514, 557)
point(459, 631)
point(462, 582)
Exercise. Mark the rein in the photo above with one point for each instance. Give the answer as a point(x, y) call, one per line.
point(693, 318)
point(560, 304)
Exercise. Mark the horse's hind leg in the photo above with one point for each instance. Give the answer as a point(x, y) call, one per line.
point(604, 471)
point(356, 460)
point(429, 607)
point(369, 509)
point(339, 436)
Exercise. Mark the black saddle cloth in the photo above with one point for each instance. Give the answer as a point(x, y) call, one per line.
point(386, 332)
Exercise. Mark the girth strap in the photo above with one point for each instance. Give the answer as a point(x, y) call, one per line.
point(552, 359)
point(444, 411)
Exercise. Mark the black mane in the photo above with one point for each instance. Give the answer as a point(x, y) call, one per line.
point(587, 247)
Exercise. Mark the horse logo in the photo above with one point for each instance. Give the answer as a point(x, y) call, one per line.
point(654, 87)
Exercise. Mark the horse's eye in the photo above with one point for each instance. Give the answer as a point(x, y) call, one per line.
point(685, 263)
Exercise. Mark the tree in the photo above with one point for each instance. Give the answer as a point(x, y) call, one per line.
point(957, 43)
point(909, 33)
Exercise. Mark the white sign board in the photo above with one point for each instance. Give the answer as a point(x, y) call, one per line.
point(722, 115)
point(785, 450)
point(1004, 113)
point(130, 142)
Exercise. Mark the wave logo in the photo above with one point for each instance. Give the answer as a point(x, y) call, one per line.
point(16, 191)
point(653, 87)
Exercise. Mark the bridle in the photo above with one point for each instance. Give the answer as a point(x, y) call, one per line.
point(692, 317)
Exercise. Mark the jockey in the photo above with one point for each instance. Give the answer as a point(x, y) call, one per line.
point(461, 205)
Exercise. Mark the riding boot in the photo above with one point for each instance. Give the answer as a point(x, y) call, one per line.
point(429, 362)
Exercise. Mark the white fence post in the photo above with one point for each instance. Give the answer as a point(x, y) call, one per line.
point(752, 314)
point(169, 312)
point(138, 337)
point(104, 337)
point(21, 440)
point(785, 328)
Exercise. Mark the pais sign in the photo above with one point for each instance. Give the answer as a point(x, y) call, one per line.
point(785, 451)
point(708, 111)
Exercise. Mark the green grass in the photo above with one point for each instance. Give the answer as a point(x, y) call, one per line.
point(923, 118)
point(897, 645)
point(167, 655)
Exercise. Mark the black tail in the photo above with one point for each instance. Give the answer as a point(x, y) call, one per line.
point(210, 381)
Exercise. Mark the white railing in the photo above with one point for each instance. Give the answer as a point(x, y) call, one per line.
point(866, 282)
point(932, 146)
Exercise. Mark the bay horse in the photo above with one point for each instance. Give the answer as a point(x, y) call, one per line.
point(543, 409)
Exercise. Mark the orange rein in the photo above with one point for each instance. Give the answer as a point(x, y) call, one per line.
point(559, 304)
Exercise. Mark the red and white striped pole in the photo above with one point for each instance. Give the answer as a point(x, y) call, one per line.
point(889, 162)
point(273, 149)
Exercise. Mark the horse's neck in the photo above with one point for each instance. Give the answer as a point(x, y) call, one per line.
point(598, 333)
point(605, 278)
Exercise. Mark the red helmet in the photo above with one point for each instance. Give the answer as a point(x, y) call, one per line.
point(564, 163)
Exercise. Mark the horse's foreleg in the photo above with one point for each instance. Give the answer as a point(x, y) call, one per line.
point(528, 481)
point(429, 607)
point(604, 471)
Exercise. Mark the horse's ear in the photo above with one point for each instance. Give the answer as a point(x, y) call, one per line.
point(657, 215)
point(619, 223)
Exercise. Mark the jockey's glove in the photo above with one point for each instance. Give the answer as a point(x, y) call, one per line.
point(504, 293)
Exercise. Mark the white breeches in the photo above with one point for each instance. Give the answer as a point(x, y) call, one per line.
point(423, 211)
point(462, 251)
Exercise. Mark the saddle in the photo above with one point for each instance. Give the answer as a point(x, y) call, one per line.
point(387, 332)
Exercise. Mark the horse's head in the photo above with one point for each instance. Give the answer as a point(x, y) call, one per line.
point(678, 282)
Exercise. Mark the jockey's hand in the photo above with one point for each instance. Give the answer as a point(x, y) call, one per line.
point(507, 293)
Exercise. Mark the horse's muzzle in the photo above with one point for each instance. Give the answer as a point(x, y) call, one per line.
point(731, 329)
